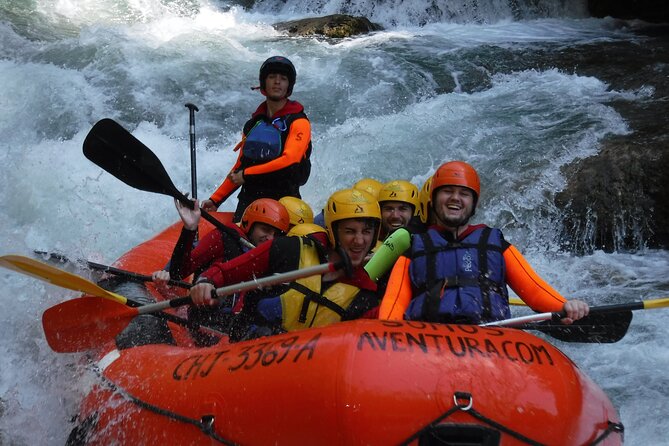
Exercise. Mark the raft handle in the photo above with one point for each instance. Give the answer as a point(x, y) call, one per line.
point(458, 398)
point(207, 423)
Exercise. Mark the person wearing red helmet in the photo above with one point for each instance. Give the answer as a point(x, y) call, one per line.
point(459, 272)
point(274, 153)
point(352, 223)
point(262, 220)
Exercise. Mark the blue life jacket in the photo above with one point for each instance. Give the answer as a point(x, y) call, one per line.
point(264, 142)
point(459, 281)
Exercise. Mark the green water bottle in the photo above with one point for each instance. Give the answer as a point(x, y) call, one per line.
point(384, 257)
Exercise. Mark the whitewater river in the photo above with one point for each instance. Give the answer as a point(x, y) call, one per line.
point(496, 85)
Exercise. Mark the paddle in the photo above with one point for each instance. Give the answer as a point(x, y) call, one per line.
point(74, 325)
point(113, 148)
point(129, 275)
point(83, 325)
point(58, 277)
point(604, 324)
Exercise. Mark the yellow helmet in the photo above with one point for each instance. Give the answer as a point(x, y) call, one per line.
point(369, 185)
point(306, 229)
point(425, 201)
point(400, 190)
point(351, 203)
point(298, 210)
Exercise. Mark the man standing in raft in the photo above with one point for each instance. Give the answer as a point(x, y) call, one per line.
point(274, 152)
point(352, 220)
point(458, 273)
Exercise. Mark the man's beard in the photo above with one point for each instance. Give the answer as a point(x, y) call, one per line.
point(454, 222)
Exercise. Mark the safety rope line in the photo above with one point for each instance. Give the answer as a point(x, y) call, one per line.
point(612, 427)
point(205, 424)
point(467, 407)
point(459, 404)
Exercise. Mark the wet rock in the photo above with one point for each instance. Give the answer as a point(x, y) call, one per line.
point(617, 199)
point(334, 26)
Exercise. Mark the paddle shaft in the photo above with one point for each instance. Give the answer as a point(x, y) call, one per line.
point(601, 309)
point(244, 286)
point(131, 276)
point(192, 108)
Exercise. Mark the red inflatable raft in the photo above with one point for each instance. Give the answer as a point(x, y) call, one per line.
point(365, 382)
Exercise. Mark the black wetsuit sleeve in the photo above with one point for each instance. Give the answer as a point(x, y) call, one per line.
point(184, 245)
point(364, 301)
point(284, 255)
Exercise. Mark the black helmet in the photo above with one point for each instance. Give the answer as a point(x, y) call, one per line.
point(280, 65)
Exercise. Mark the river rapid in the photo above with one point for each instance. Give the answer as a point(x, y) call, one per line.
point(517, 88)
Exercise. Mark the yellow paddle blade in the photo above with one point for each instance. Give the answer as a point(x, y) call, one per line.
point(516, 301)
point(656, 303)
point(55, 276)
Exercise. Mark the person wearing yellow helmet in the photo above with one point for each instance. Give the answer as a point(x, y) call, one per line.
point(369, 185)
point(399, 202)
point(352, 220)
point(359, 212)
point(298, 210)
point(425, 201)
point(459, 272)
point(305, 229)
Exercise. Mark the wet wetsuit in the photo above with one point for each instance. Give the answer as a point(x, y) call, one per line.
point(274, 157)
point(464, 279)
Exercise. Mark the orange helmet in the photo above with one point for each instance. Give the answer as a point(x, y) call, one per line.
point(369, 185)
point(456, 173)
point(268, 211)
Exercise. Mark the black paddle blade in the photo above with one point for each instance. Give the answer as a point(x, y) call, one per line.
point(113, 148)
point(594, 328)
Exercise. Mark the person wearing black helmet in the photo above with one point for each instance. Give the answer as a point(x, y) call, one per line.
point(274, 152)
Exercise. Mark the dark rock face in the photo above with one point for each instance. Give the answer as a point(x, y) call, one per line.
point(617, 200)
point(654, 11)
point(334, 26)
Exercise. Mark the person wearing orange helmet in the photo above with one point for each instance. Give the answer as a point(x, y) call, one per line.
point(352, 220)
point(459, 272)
point(274, 153)
point(262, 220)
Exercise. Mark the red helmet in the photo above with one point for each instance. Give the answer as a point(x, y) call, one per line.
point(456, 173)
point(268, 211)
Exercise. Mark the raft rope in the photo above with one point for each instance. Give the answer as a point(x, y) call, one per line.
point(612, 427)
point(205, 424)
point(461, 401)
point(464, 401)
